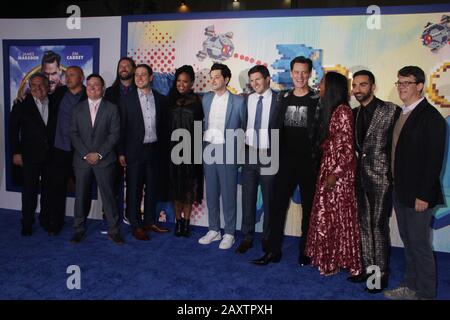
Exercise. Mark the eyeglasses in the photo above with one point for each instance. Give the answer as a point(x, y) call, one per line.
point(404, 84)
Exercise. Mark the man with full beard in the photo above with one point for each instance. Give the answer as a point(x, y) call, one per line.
point(374, 121)
point(116, 94)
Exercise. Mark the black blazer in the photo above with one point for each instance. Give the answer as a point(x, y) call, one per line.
point(112, 94)
point(29, 136)
point(132, 125)
point(419, 156)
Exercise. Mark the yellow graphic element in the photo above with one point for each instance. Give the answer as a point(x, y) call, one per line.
point(338, 68)
point(432, 89)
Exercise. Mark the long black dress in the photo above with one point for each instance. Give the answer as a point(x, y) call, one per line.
point(185, 180)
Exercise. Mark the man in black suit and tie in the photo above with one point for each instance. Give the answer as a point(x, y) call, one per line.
point(94, 132)
point(32, 131)
point(418, 145)
point(261, 114)
point(140, 149)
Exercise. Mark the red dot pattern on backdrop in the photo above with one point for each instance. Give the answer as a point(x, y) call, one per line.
point(160, 53)
point(201, 83)
point(249, 59)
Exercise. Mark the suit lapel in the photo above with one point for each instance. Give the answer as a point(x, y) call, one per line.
point(35, 112)
point(100, 112)
point(377, 117)
point(415, 114)
point(230, 106)
point(273, 106)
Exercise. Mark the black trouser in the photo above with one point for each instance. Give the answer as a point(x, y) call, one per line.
point(61, 164)
point(32, 174)
point(293, 171)
point(251, 178)
point(137, 175)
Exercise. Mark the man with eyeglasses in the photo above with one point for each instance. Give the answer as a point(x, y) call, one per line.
point(418, 145)
point(374, 121)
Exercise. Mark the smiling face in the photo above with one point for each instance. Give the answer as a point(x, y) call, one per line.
point(142, 78)
point(362, 89)
point(184, 83)
point(39, 88)
point(125, 70)
point(258, 83)
point(300, 75)
point(94, 88)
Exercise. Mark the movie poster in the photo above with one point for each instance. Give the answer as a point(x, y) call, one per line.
point(22, 58)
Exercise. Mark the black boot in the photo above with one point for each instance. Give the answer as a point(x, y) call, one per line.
point(186, 229)
point(179, 227)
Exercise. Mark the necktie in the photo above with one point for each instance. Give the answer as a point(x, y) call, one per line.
point(94, 113)
point(258, 117)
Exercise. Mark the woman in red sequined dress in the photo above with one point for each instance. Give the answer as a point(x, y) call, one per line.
point(333, 238)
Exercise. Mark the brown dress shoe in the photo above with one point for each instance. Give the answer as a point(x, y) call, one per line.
point(140, 234)
point(156, 228)
point(244, 246)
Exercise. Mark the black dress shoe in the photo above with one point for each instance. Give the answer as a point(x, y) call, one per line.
point(268, 257)
point(244, 246)
point(116, 238)
point(304, 260)
point(359, 278)
point(77, 237)
point(26, 231)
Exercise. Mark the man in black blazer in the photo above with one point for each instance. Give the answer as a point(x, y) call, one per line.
point(417, 154)
point(94, 132)
point(123, 84)
point(262, 108)
point(140, 148)
point(32, 131)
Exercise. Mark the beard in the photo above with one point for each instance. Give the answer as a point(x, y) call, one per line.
point(128, 76)
point(363, 97)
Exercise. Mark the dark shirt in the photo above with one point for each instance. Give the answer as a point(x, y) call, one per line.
point(62, 137)
point(295, 136)
point(124, 90)
point(364, 118)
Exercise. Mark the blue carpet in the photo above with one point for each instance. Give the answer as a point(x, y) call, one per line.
point(167, 268)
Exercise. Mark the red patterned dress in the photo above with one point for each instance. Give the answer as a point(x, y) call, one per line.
point(333, 238)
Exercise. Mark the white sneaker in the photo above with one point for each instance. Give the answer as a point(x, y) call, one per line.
point(227, 241)
point(210, 237)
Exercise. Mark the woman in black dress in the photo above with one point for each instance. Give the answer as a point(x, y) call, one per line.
point(185, 178)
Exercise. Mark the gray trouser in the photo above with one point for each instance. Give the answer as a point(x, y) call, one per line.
point(415, 232)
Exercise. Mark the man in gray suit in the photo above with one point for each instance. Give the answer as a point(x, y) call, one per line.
point(94, 132)
point(223, 111)
point(374, 121)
